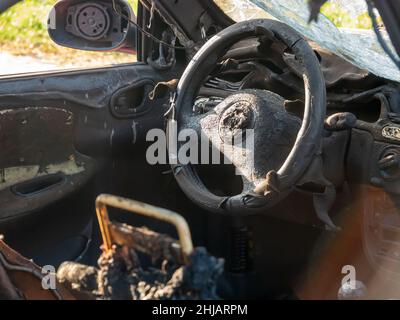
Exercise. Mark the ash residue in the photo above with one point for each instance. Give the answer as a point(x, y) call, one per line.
point(120, 276)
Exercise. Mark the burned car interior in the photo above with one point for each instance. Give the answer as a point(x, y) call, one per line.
point(321, 192)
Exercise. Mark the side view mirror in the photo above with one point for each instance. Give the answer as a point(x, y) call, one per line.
point(93, 25)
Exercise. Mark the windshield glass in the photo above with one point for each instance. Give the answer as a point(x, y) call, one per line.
point(358, 46)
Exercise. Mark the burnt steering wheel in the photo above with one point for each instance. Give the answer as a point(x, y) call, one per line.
point(284, 144)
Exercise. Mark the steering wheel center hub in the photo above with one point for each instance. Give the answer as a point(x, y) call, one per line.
point(235, 120)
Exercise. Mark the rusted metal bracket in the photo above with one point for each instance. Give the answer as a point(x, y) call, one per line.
point(137, 207)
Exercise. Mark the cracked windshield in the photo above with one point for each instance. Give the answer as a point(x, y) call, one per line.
point(343, 28)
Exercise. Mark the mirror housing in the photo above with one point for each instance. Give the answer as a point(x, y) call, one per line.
point(93, 25)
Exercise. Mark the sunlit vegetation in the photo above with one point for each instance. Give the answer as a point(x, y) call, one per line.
point(23, 31)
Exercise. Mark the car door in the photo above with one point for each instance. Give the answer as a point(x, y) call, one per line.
point(59, 133)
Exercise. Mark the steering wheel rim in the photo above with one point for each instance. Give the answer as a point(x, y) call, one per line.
point(308, 141)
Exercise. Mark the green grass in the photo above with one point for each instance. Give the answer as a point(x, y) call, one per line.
point(25, 22)
point(343, 20)
point(23, 31)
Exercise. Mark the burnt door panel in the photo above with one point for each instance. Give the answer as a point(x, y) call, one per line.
point(58, 133)
point(39, 164)
point(53, 127)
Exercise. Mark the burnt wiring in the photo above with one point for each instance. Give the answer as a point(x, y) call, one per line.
point(379, 35)
point(144, 32)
